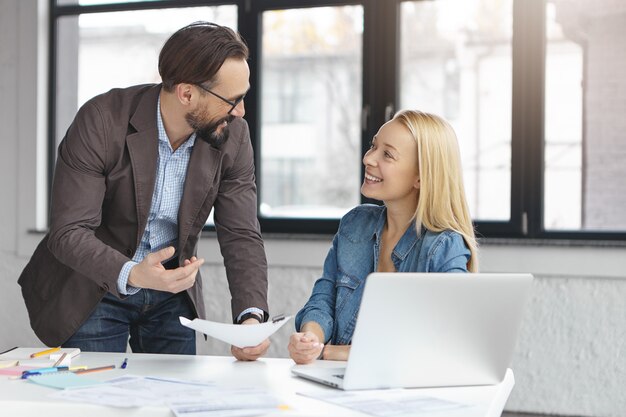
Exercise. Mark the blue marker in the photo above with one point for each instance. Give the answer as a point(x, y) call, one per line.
point(40, 371)
point(124, 363)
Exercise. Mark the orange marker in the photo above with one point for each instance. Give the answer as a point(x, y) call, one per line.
point(88, 370)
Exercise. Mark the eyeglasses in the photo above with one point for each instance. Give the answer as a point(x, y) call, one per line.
point(233, 104)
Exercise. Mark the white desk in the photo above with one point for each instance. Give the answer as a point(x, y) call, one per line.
point(22, 398)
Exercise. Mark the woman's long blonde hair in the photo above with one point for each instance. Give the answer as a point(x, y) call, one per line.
point(442, 204)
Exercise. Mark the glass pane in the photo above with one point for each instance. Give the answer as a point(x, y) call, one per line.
point(311, 108)
point(455, 61)
point(585, 144)
point(100, 51)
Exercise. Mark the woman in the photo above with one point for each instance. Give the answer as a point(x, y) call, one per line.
point(414, 167)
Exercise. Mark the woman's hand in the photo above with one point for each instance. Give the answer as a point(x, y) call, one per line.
point(336, 353)
point(304, 347)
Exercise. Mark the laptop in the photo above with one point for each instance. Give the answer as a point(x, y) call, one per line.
point(430, 330)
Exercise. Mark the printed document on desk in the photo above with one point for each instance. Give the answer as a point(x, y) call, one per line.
point(235, 334)
point(391, 403)
point(184, 398)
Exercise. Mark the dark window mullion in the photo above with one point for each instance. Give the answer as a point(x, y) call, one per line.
point(67, 10)
point(528, 115)
point(526, 126)
point(381, 39)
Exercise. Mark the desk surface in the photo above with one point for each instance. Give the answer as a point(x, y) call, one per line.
point(22, 398)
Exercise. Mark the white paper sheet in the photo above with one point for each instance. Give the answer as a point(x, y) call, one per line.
point(136, 391)
point(389, 403)
point(184, 398)
point(235, 334)
point(226, 402)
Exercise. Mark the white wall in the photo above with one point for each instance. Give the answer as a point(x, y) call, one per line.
point(571, 354)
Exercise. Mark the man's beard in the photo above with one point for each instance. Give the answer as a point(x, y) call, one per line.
point(208, 131)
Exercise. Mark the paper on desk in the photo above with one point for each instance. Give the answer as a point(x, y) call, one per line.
point(226, 402)
point(235, 334)
point(135, 391)
point(387, 403)
point(185, 398)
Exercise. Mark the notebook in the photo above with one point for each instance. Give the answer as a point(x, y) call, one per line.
point(430, 330)
point(63, 380)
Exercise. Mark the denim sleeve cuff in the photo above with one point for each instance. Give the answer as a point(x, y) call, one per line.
point(325, 322)
point(122, 280)
point(253, 310)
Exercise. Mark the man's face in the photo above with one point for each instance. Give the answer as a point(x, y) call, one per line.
point(211, 118)
point(213, 131)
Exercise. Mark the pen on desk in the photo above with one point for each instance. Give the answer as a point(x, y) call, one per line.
point(60, 361)
point(8, 350)
point(50, 369)
point(88, 370)
point(45, 352)
point(124, 364)
point(278, 318)
point(40, 371)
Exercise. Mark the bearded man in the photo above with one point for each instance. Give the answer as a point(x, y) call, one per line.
point(136, 177)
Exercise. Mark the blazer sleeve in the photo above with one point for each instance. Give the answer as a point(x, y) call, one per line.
point(238, 230)
point(76, 202)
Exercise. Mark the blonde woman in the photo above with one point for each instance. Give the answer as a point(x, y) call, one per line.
point(414, 167)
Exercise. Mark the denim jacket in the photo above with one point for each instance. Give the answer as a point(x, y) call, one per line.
point(336, 297)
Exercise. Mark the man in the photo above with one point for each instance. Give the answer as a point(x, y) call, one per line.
point(137, 175)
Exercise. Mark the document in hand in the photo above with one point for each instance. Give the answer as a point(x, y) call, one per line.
point(235, 334)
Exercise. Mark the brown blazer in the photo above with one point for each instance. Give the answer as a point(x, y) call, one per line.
point(101, 196)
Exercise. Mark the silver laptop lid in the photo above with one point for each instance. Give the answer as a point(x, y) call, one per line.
point(430, 329)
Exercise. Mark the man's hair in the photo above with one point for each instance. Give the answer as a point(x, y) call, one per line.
point(442, 204)
point(194, 53)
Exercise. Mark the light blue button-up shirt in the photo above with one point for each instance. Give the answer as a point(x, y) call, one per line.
point(162, 225)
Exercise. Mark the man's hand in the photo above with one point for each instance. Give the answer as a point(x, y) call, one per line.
point(150, 273)
point(250, 353)
point(304, 347)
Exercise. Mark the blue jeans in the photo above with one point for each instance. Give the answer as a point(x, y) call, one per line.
point(149, 318)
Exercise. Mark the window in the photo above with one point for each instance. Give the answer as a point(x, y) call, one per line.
point(310, 113)
point(534, 90)
point(99, 51)
point(456, 61)
point(584, 127)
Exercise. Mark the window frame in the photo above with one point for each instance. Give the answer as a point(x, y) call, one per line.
point(380, 41)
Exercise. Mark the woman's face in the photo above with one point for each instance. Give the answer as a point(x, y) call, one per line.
point(391, 166)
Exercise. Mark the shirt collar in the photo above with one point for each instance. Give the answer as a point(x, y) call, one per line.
point(163, 134)
point(406, 242)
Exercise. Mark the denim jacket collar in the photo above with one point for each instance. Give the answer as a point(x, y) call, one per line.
point(403, 247)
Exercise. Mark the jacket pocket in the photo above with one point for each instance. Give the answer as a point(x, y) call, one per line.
point(345, 287)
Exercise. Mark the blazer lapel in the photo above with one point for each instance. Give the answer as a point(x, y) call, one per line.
point(143, 148)
point(203, 166)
